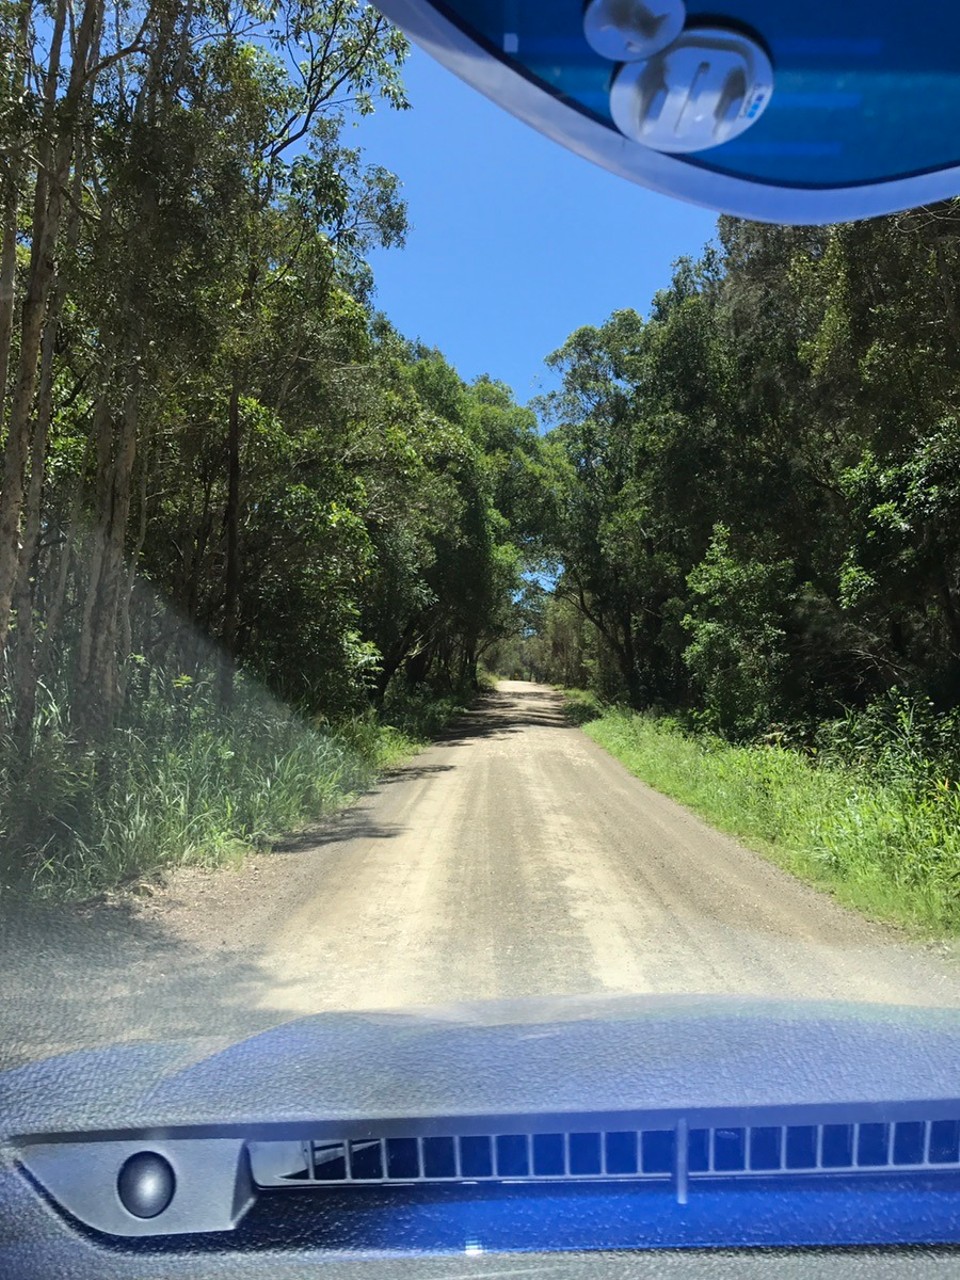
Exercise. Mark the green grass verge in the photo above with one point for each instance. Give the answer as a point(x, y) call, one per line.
point(201, 792)
point(580, 706)
point(889, 849)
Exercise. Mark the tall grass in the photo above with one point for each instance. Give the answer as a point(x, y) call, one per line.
point(183, 784)
point(580, 706)
point(884, 840)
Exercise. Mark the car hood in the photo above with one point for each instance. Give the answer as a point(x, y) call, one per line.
point(526, 1057)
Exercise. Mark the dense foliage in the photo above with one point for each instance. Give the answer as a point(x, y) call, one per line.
point(243, 522)
point(217, 458)
point(756, 515)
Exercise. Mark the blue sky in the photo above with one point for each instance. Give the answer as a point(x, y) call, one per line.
point(515, 242)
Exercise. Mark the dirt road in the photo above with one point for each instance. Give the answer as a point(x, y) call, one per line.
point(513, 858)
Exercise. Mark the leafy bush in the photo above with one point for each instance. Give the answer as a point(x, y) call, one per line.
point(897, 737)
point(420, 714)
point(735, 655)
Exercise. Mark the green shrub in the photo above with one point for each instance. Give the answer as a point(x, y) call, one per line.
point(421, 714)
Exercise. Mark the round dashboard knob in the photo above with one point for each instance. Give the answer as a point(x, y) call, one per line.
point(145, 1184)
point(628, 30)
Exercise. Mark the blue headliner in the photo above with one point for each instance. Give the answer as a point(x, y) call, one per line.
point(860, 95)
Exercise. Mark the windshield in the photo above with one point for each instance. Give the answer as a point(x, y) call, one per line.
point(433, 571)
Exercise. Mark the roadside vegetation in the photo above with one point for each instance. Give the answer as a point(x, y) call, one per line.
point(882, 835)
point(189, 784)
point(253, 543)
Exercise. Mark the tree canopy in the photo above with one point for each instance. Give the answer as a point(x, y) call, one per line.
point(756, 508)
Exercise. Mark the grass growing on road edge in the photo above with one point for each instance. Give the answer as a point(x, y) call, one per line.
point(888, 848)
point(580, 706)
point(187, 786)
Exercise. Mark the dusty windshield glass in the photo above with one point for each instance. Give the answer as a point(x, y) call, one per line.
point(340, 675)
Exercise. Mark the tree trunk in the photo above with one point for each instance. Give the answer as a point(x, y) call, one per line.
point(8, 271)
point(231, 590)
point(18, 434)
point(130, 583)
point(25, 596)
point(103, 434)
point(57, 604)
point(25, 669)
point(56, 152)
point(627, 658)
point(100, 681)
point(11, 210)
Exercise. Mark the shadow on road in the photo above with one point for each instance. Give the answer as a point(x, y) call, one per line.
point(404, 772)
point(351, 824)
point(77, 978)
point(499, 713)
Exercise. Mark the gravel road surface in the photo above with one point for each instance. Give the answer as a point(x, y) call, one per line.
point(512, 858)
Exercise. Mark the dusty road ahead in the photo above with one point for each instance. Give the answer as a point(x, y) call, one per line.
point(513, 858)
